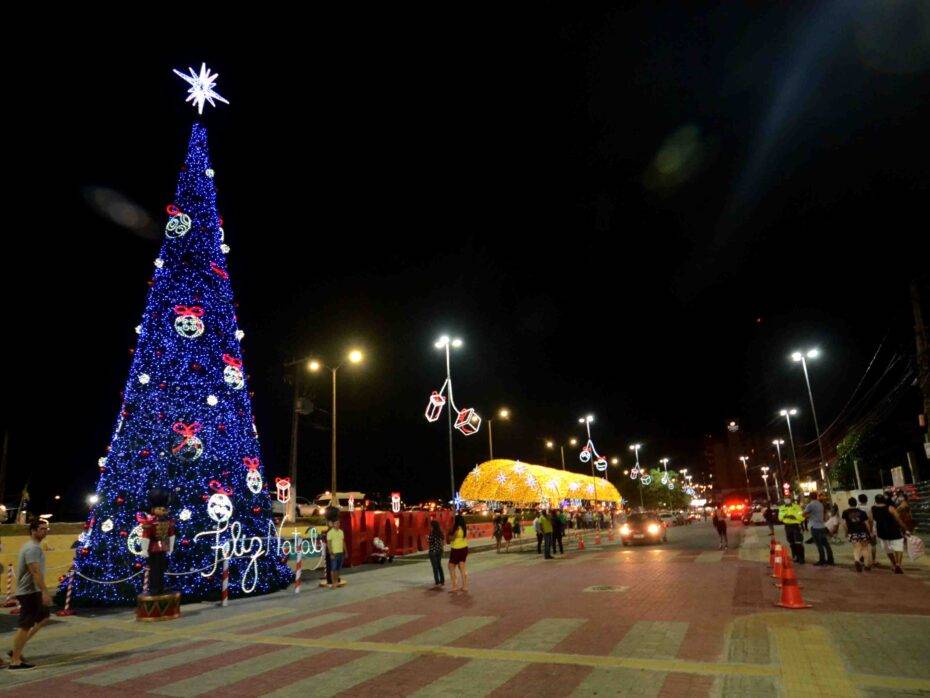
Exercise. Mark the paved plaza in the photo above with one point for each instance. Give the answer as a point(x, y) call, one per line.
point(669, 620)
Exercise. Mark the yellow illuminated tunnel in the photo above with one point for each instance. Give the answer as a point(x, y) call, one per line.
point(503, 480)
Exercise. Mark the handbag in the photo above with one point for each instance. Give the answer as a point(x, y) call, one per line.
point(915, 546)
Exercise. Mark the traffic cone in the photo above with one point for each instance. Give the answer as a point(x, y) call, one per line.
point(610, 535)
point(791, 591)
point(580, 542)
point(785, 566)
point(777, 562)
point(597, 536)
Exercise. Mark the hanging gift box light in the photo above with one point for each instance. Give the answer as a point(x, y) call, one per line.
point(283, 485)
point(395, 502)
point(434, 407)
point(468, 422)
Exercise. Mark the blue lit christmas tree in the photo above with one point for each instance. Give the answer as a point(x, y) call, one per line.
point(185, 424)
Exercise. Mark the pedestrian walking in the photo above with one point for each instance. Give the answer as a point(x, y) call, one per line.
point(857, 532)
point(546, 523)
point(435, 553)
point(720, 523)
point(890, 531)
point(507, 534)
point(790, 514)
point(771, 518)
point(459, 553)
point(517, 525)
point(813, 513)
point(537, 527)
point(873, 540)
point(31, 593)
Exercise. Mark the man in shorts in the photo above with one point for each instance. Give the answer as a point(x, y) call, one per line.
point(31, 593)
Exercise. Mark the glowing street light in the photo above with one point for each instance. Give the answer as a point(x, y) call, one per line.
point(502, 413)
point(354, 356)
point(788, 413)
point(746, 472)
point(802, 358)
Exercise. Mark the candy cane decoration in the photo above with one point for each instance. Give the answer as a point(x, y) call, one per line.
point(298, 569)
point(66, 611)
point(10, 597)
point(145, 581)
point(224, 595)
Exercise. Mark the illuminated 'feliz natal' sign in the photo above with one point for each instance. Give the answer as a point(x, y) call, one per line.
point(235, 544)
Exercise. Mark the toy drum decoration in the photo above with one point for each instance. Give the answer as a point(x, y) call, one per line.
point(152, 607)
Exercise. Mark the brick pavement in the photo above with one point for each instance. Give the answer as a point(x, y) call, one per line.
point(681, 619)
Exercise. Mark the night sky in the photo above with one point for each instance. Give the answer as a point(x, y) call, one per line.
point(636, 214)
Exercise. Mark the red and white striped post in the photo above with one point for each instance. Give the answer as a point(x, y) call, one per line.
point(10, 596)
point(298, 569)
point(224, 594)
point(66, 611)
point(145, 581)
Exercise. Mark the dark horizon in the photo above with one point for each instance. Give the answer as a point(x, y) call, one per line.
point(637, 214)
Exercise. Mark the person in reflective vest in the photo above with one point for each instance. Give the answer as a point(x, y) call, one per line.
point(791, 514)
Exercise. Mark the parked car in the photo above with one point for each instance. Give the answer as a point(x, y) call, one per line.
point(325, 500)
point(305, 508)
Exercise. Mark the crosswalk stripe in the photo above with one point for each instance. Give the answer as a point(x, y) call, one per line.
point(134, 671)
point(542, 636)
point(220, 678)
point(353, 673)
point(645, 640)
point(73, 662)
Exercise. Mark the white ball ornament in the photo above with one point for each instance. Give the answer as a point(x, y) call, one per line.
point(159, 262)
point(107, 526)
point(240, 334)
point(144, 378)
point(224, 248)
point(209, 172)
point(185, 515)
point(211, 400)
point(138, 329)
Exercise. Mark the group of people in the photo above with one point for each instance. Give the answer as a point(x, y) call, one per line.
point(888, 521)
point(550, 528)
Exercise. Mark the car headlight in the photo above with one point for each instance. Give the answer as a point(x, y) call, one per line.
point(653, 528)
point(624, 530)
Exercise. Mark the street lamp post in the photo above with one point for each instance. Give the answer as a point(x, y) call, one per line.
point(635, 448)
point(445, 343)
point(746, 472)
point(503, 413)
point(355, 357)
point(778, 443)
point(765, 479)
point(802, 357)
point(788, 413)
point(587, 423)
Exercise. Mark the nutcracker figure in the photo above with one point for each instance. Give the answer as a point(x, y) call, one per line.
point(157, 539)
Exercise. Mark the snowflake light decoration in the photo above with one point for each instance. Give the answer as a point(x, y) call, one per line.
point(519, 468)
point(501, 478)
point(201, 87)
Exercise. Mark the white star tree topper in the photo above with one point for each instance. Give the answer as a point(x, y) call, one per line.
point(201, 87)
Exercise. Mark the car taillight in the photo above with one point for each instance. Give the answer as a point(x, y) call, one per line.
point(653, 528)
point(624, 530)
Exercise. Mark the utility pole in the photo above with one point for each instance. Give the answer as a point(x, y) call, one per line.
point(923, 360)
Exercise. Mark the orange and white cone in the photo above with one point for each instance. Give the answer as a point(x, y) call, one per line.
point(791, 591)
point(777, 563)
point(597, 536)
point(786, 565)
point(580, 542)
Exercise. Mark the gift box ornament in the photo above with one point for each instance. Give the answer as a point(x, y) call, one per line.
point(468, 422)
point(434, 406)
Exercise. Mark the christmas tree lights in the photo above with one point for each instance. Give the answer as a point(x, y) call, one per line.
point(185, 425)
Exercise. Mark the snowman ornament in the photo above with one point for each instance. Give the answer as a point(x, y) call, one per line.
point(219, 506)
point(188, 323)
point(232, 373)
point(253, 478)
